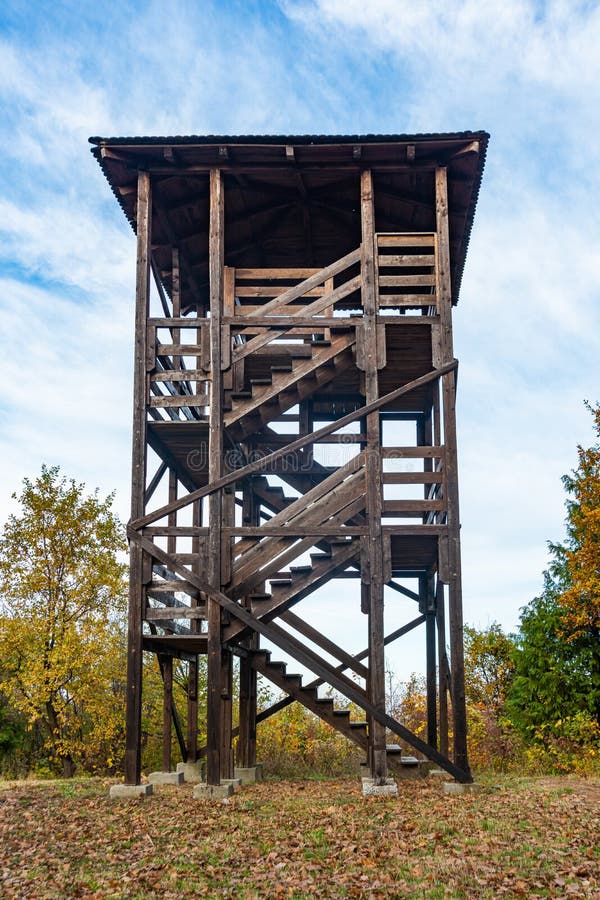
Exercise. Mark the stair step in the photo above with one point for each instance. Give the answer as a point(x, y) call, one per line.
point(320, 343)
point(281, 368)
point(358, 724)
point(320, 557)
point(260, 382)
point(266, 654)
point(325, 701)
point(277, 664)
point(280, 582)
point(241, 395)
point(342, 713)
point(300, 570)
point(294, 677)
point(260, 595)
point(310, 691)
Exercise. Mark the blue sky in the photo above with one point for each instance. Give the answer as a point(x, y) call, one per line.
point(527, 326)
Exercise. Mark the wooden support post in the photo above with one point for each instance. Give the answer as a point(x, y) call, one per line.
point(192, 712)
point(246, 746)
point(429, 610)
point(444, 292)
point(215, 461)
point(138, 484)
point(440, 612)
point(376, 680)
point(226, 710)
point(167, 673)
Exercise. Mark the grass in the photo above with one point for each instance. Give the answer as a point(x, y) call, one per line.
point(516, 837)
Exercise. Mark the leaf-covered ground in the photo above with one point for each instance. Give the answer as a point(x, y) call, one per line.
point(515, 838)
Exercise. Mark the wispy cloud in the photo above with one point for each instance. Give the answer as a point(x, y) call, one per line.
point(527, 324)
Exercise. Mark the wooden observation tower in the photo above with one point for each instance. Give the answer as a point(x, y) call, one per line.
point(294, 425)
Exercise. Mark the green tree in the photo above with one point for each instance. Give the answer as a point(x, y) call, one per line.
point(489, 667)
point(555, 697)
point(62, 600)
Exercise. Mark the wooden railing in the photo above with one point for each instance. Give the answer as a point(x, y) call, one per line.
point(407, 271)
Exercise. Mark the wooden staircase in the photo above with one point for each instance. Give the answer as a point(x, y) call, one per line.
point(308, 696)
point(286, 589)
point(266, 398)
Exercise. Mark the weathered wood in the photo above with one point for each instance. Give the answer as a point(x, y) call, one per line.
point(167, 673)
point(305, 657)
point(138, 483)
point(451, 475)
point(322, 641)
point(374, 491)
point(313, 281)
point(192, 711)
point(216, 262)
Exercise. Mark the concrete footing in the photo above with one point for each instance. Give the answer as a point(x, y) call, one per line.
point(129, 791)
point(206, 791)
point(234, 782)
point(166, 778)
point(456, 788)
point(193, 772)
point(249, 775)
point(371, 789)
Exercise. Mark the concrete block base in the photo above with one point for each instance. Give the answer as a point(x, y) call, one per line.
point(129, 791)
point(441, 774)
point(365, 771)
point(371, 789)
point(212, 791)
point(456, 788)
point(193, 772)
point(249, 775)
point(234, 782)
point(165, 778)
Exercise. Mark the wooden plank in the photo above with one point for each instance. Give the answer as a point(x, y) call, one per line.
point(390, 301)
point(263, 463)
point(181, 322)
point(406, 239)
point(186, 375)
point(406, 280)
point(160, 613)
point(178, 349)
point(179, 401)
point(267, 274)
point(412, 477)
point(265, 290)
point(411, 452)
point(138, 483)
point(406, 260)
point(283, 322)
point(289, 531)
point(401, 506)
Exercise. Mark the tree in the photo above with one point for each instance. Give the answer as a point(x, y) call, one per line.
point(580, 601)
point(555, 697)
point(489, 667)
point(62, 600)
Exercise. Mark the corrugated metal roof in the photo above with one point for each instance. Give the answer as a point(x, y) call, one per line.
point(307, 140)
point(293, 139)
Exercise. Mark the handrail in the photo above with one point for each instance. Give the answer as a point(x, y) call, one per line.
point(260, 464)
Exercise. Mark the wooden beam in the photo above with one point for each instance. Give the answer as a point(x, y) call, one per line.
point(444, 293)
point(215, 462)
point(138, 484)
